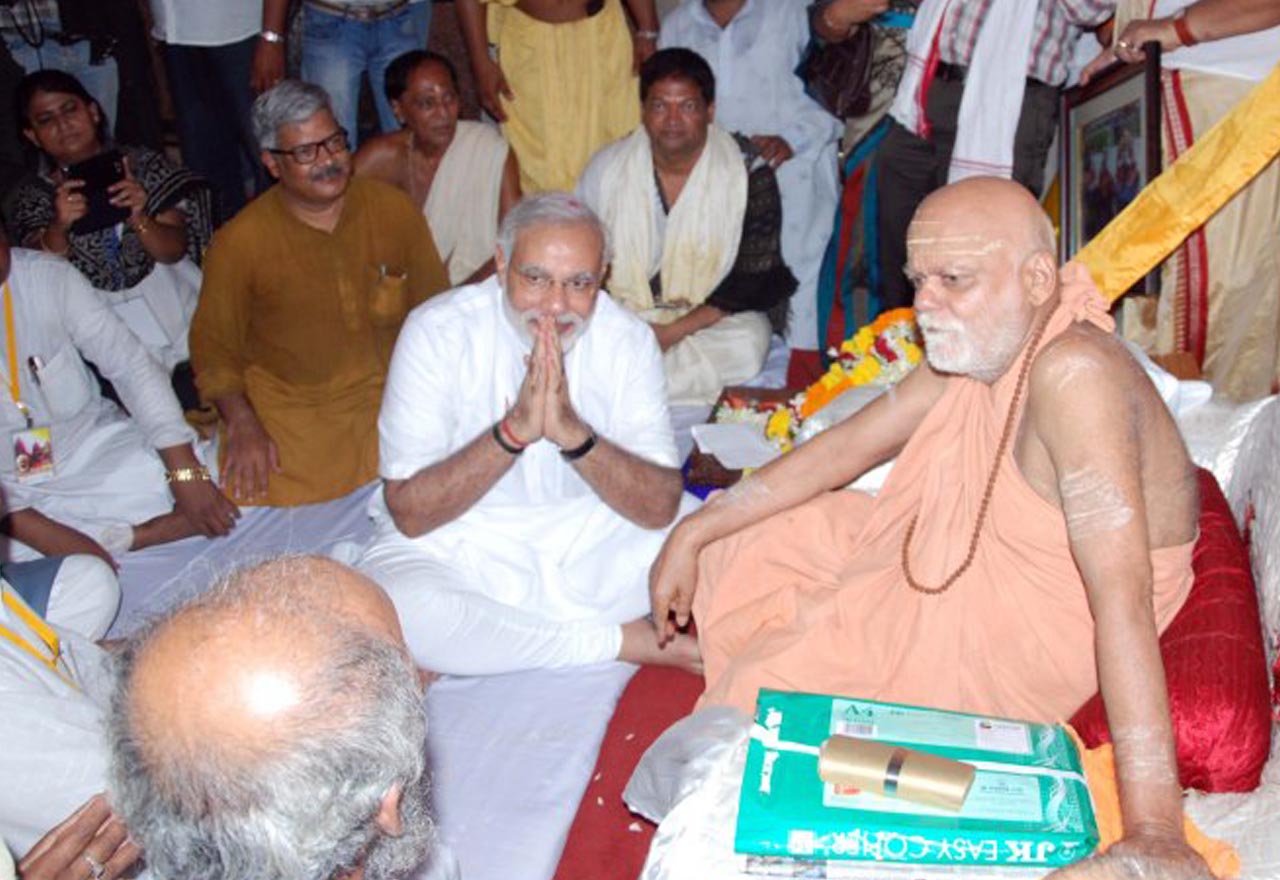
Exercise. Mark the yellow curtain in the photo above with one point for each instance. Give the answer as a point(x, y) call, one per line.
point(1188, 193)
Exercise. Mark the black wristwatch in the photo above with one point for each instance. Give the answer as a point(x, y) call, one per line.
point(582, 449)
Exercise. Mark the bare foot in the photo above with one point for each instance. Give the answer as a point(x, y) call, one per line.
point(171, 526)
point(640, 645)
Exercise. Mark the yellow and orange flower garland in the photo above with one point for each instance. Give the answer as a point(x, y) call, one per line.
point(881, 353)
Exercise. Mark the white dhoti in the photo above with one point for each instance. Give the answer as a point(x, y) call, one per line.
point(85, 596)
point(104, 486)
point(729, 352)
point(541, 589)
point(540, 571)
point(809, 184)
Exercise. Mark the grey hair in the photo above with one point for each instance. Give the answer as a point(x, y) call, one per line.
point(288, 102)
point(551, 209)
point(305, 810)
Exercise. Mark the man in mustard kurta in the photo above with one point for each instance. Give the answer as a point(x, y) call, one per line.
point(304, 293)
point(563, 82)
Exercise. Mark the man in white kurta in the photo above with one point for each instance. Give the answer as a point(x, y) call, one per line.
point(54, 756)
point(548, 563)
point(109, 470)
point(754, 57)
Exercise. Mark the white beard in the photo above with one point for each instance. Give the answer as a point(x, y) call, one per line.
point(951, 347)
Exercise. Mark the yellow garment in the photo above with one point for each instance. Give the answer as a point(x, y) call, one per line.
point(1100, 771)
point(1229, 310)
point(574, 89)
point(303, 323)
point(1188, 193)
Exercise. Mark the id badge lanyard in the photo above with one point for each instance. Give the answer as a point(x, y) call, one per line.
point(52, 654)
point(11, 345)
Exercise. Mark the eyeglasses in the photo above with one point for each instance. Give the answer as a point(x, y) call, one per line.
point(307, 154)
point(541, 282)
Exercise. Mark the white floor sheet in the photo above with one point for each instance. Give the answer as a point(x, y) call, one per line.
point(510, 754)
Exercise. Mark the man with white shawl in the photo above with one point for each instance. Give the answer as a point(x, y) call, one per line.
point(754, 47)
point(529, 469)
point(695, 217)
point(979, 97)
point(462, 174)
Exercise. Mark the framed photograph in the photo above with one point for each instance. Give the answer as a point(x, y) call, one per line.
point(1110, 149)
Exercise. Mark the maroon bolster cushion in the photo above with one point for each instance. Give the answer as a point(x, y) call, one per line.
point(1214, 663)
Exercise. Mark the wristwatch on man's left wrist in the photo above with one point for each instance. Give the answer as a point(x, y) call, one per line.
point(582, 448)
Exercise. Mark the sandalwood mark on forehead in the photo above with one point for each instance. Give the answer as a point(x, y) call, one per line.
point(1092, 503)
point(957, 245)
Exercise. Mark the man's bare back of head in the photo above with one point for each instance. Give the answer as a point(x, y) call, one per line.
point(274, 724)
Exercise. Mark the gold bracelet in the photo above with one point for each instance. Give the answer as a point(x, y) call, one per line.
point(188, 475)
point(44, 245)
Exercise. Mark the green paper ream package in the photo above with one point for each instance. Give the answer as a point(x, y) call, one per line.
point(1028, 807)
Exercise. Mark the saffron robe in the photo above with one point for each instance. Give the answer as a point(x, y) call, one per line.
point(815, 598)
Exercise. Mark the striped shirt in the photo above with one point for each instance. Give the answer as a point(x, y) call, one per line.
point(1058, 24)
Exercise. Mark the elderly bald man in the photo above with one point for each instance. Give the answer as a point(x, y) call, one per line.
point(274, 728)
point(1034, 536)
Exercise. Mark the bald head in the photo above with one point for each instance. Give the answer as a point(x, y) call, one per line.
point(280, 702)
point(246, 659)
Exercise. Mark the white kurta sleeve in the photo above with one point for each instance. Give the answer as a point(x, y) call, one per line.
point(417, 415)
point(643, 423)
point(103, 338)
point(808, 126)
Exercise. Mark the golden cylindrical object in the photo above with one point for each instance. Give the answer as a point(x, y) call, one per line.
point(893, 771)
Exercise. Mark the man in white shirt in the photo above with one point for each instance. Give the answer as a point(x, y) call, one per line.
point(528, 461)
point(79, 475)
point(754, 47)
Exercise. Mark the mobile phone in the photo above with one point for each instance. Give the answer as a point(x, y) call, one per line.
point(98, 173)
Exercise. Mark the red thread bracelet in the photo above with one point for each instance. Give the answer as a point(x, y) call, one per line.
point(1183, 30)
point(511, 435)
